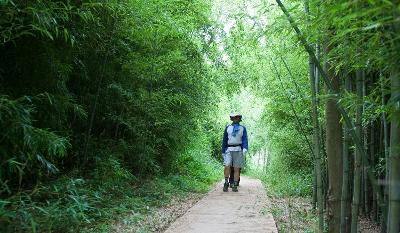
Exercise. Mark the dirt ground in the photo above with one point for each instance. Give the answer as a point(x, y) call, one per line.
point(244, 211)
point(157, 220)
point(249, 210)
point(300, 217)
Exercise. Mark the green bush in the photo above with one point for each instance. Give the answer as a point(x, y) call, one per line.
point(282, 181)
point(70, 204)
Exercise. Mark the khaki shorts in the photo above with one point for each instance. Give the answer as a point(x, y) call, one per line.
point(233, 158)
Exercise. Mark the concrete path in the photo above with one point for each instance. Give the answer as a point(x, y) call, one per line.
point(219, 212)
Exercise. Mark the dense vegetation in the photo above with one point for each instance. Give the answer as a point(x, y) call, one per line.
point(328, 74)
point(108, 107)
point(97, 95)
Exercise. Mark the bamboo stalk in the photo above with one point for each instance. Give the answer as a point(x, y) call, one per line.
point(345, 183)
point(302, 130)
point(316, 139)
point(317, 148)
point(372, 159)
point(358, 158)
point(365, 160)
point(393, 225)
point(346, 118)
point(386, 152)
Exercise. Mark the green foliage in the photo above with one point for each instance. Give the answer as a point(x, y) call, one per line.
point(283, 182)
point(353, 22)
point(97, 95)
point(126, 77)
point(260, 48)
point(26, 150)
point(66, 204)
point(94, 97)
point(69, 204)
point(280, 181)
point(192, 164)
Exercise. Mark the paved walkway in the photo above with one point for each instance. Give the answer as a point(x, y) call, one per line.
point(219, 212)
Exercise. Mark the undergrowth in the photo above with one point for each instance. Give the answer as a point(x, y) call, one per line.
point(281, 181)
point(71, 204)
point(289, 198)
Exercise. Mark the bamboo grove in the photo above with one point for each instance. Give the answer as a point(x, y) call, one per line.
point(361, 110)
point(94, 96)
point(329, 72)
point(99, 95)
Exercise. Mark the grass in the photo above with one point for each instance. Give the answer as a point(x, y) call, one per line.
point(138, 210)
point(293, 214)
point(290, 199)
point(113, 199)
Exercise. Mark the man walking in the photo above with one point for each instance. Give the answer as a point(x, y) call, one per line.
point(234, 148)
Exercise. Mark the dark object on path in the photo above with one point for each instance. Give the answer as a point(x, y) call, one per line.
point(226, 185)
point(231, 181)
point(235, 188)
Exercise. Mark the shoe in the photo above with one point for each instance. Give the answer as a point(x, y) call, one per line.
point(231, 185)
point(225, 189)
point(235, 188)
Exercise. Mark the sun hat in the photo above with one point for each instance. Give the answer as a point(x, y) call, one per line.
point(235, 114)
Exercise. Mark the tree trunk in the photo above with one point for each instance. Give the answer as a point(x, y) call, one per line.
point(316, 171)
point(365, 159)
point(386, 151)
point(334, 152)
point(373, 144)
point(393, 225)
point(357, 159)
point(345, 214)
point(314, 193)
point(324, 169)
point(317, 148)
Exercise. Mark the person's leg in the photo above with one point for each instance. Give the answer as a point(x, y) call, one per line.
point(227, 164)
point(235, 184)
point(227, 172)
point(231, 175)
point(236, 174)
point(240, 170)
point(237, 160)
point(227, 168)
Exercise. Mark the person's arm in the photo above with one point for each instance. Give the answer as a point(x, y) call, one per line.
point(225, 140)
point(245, 142)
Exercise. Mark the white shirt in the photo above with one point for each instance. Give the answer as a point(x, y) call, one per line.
point(234, 140)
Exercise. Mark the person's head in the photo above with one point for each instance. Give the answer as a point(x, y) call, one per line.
point(236, 117)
